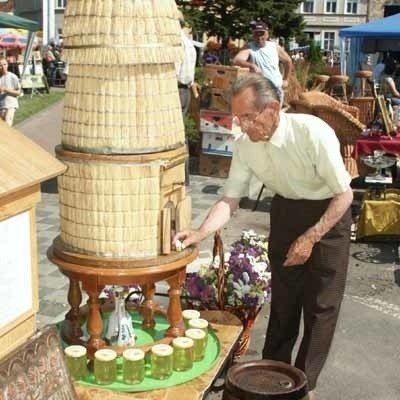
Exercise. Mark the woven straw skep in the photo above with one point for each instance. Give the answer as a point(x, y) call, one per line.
point(122, 109)
point(109, 208)
point(122, 32)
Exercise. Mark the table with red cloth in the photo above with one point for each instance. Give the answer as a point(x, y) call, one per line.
point(367, 144)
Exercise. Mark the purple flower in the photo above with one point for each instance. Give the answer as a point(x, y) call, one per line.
point(247, 277)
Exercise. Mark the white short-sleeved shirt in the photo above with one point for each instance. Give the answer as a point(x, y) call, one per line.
point(11, 81)
point(185, 70)
point(302, 160)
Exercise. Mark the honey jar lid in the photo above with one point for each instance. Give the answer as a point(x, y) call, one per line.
point(190, 314)
point(199, 323)
point(133, 354)
point(182, 342)
point(105, 355)
point(195, 333)
point(162, 350)
point(75, 351)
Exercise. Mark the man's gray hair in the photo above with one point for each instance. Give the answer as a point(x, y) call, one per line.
point(264, 90)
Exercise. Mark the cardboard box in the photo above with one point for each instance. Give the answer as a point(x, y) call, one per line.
point(217, 143)
point(222, 76)
point(213, 165)
point(215, 121)
point(215, 99)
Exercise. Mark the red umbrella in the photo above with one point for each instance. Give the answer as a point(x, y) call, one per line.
point(13, 41)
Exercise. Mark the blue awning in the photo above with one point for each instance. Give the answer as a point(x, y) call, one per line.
point(388, 27)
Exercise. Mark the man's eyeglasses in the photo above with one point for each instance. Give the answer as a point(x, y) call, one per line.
point(245, 121)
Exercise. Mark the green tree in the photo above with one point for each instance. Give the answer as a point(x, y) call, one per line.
point(231, 18)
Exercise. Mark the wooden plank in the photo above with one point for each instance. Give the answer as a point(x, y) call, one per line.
point(23, 162)
point(166, 230)
point(17, 336)
point(19, 201)
point(184, 214)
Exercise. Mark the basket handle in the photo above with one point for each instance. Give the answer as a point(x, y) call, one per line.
point(218, 249)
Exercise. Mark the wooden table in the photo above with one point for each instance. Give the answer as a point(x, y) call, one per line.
point(367, 145)
point(96, 272)
point(227, 328)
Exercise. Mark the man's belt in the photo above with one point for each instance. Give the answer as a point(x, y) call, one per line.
point(183, 85)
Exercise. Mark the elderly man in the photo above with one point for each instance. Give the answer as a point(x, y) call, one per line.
point(263, 56)
point(297, 156)
point(10, 89)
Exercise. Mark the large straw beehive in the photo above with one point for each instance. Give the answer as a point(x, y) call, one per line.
point(121, 93)
point(121, 107)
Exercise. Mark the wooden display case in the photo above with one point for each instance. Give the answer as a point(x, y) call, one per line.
point(23, 165)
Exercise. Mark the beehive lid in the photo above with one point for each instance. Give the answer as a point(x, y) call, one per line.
point(23, 163)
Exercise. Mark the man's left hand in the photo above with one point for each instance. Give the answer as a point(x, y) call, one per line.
point(299, 251)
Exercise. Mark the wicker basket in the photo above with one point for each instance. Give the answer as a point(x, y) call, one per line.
point(122, 109)
point(247, 315)
point(347, 129)
point(315, 97)
point(366, 105)
point(112, 206)
point(119, 32)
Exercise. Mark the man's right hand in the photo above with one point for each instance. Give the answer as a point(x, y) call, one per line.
point(188, 237)
point(254, 68)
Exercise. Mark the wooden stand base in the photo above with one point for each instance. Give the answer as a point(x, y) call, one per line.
point(94, 273)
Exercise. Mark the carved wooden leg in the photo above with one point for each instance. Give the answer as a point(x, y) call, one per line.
point(73, 318)
point(174, 312)
point(94, 321)
point(148, 306)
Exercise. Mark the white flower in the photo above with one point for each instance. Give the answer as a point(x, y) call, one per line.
point(260, 267)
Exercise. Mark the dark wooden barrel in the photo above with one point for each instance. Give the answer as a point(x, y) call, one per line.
point(265, 380)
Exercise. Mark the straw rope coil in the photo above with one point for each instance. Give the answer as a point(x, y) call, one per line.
point(121, 32)
point(110, 209)
point(122, 109)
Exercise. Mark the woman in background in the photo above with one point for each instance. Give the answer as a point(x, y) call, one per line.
point(388, 85)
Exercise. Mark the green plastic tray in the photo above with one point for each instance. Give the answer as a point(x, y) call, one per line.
point(149, 336)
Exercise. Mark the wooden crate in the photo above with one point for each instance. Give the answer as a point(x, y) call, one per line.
point(215, 99)
point(222, 76)
point(217, 143)
point(213, 165)
point(215, 121)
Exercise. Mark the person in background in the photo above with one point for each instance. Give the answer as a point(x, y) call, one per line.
point(185, 76)
point(48, 63)
point(298, 157)
point(262, 56)
point(210, 55)
point(10, 89)
point(388, 85)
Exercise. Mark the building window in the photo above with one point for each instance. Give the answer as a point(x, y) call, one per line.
point(330, 6)
point(307, 6)
point(351, 6)
point(329, 40)
point(61, 4)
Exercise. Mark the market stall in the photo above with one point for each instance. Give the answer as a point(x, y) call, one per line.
point(12, 21)
point(375, 36)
